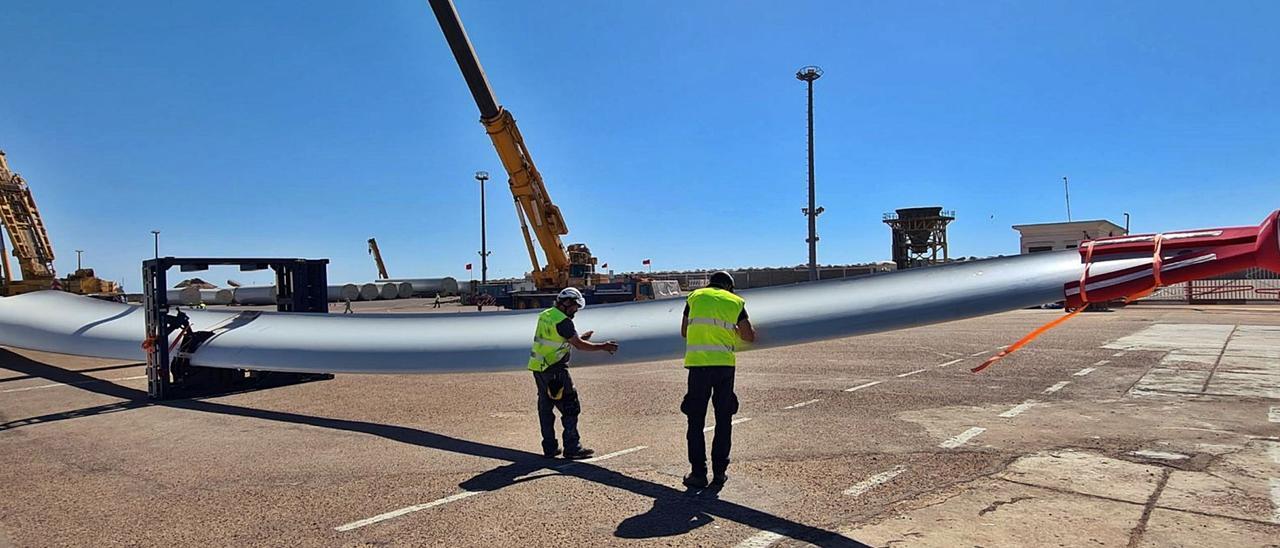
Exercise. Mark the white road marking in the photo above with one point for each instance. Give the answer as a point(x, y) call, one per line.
point(952, 362)
point(963, 437)
point(1275, 500)
point(459, 496)
point(979, 353)
point(1118, 354)
point(908, 374)
point(1085, 371)
point(1056, 387)
point(861, 386)
point(1161, 455)
point(734, 421)
point(763, 539)
point(1018, 409)
point(802, 404)
point(1101, 363)
point(405, 510)
point(57, 384)
point(873, 482)
point(1274, 415)
point(1275, 452)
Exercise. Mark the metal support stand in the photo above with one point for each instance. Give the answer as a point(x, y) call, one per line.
point(301, 287)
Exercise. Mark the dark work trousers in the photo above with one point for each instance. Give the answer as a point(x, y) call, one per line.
point(555, 379)
point(714, 384)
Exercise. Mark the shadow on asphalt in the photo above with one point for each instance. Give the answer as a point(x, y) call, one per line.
point(674, 511)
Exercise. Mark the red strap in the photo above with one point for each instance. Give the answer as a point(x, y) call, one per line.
point(1028, 338)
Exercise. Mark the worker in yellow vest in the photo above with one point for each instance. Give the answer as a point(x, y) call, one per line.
point(715, 322)
point(549, 362)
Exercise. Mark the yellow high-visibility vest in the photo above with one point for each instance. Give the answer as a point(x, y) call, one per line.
point(711, 336)
point(548, 346)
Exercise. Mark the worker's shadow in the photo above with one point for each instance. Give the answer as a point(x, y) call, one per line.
point(670, 515)
point(684, 510)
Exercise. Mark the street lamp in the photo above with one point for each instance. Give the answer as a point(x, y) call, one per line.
point(1126, 223)
point(156, 233)
point(78, 252)
point(808, 75)
point(483, 176)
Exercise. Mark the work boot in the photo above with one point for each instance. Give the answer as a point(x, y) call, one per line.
point(579, 453)
point(696, 480)
point(551, 453)
point(719, 478)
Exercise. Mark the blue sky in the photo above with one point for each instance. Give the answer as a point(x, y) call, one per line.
point(665, 130)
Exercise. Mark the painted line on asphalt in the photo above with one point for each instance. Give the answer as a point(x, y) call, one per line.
point(910, 373)
point(802, 404)
point(78, 383)
point(1274, 415)
point(873, 482)
point(1275, 500)
point(763, 539)
point(1018, 409)
point(405, 510)
point(1085, 371)
point(465, 494)
point(976, 354)
point(952, 362)
point(861, 386)
point(732, 422)
point(1118, 354)
point(1101, 363)
point(963, 437)
point(1056, 387)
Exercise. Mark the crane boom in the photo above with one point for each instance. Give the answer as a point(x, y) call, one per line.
point(526, 183)
point(377, 259)
point(27, 235)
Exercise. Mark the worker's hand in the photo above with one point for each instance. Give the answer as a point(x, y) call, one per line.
point(586, 336)
point(610, 347)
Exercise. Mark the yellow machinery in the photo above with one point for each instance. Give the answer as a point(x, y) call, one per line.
point(572, 267)
point(377, 259)
point(30, 240)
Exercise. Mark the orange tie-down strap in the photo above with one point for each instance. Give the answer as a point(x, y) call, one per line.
point(1157, 263)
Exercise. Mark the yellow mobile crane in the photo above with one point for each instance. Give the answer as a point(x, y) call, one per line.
point(572, 267)
point(19, 216)
point(377, 259)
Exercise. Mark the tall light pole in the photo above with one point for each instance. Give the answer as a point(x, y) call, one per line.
point(156, 233)
point(78, 252)
point(1126, 223)
point(483, 176)
point(808, 75)
point(1066, 188)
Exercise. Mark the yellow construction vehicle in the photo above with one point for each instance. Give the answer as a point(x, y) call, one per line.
point(19, 216)
point(572, 267)
point(377, 259)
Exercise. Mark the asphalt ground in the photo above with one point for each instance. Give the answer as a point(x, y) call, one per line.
point(1147, 426)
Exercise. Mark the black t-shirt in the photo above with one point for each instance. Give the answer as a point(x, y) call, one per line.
point(741, 315)
point(565, 329)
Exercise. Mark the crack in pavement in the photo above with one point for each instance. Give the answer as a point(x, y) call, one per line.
point(997, 504)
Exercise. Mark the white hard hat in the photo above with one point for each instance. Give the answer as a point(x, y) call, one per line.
point(572, 293)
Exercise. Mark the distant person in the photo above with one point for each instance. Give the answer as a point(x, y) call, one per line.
point(549, 362)
point(715, 320)
point(437, 303)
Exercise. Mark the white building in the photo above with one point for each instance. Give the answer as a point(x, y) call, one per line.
point(1058, 236)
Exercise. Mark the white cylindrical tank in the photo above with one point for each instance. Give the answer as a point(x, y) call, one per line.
point(406, 290)
point(185, 296)
point(368, 292)
point(388, 292)
point(216, 296)
point(343, 293)
point(255, 295)
point(429, 287)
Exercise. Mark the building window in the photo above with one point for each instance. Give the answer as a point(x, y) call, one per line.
point(1039, 248)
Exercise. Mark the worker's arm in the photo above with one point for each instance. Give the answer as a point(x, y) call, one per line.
point(745, 331)
point(684, 324)
point(584, 343)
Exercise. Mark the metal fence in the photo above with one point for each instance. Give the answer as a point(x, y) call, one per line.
point(1255, 285)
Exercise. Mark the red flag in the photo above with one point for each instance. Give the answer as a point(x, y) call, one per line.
point(605, 265)
point(646, 262)
point(468, 266)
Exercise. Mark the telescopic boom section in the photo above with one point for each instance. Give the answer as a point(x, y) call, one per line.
point(525, 181)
